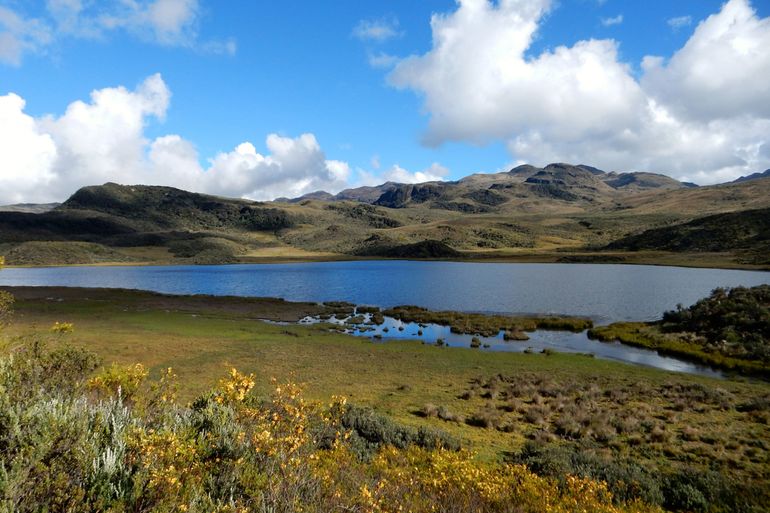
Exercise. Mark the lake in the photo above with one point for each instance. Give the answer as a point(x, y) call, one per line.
point(606, 293)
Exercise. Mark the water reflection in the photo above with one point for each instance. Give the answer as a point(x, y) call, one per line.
point(562, 341)
point(605, 293)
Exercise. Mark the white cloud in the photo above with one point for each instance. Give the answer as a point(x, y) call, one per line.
point(295, 166)
point(703, 114)
point(164, 22)
point(615, 20)
point(26, 154)
point(679, 21)
point(19, 35)
point(46, 159)
point(720, 72)
point(378, 30)
point(398, 174)
point(168, 22)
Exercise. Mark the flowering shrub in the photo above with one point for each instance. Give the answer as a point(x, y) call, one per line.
point(62, 327)
point(120, 442)
point(123, 381)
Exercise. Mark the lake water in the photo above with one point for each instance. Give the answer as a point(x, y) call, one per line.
point(606, 293)
point(541, 340)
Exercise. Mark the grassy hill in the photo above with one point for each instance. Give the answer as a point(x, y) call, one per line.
point(748, 231)
point(556, 213)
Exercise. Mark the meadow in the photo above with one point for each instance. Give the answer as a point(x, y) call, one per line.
point(682, 442)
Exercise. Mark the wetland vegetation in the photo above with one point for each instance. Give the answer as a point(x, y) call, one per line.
point(522, 431)
point(729, 329)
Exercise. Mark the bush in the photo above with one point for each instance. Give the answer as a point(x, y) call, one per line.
point(375, 430)
point(734, 322)
point(6, 307)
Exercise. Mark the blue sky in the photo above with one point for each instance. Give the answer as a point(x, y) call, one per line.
point(238, 71)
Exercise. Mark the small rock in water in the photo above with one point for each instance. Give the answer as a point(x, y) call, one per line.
point(515, 335)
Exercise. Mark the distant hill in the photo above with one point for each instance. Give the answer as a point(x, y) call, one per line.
point(559, 210)
point(150, 207)
point(753, 176)
point(188, 225)
point(317, 195)
point(749, 229)
point(477, 193)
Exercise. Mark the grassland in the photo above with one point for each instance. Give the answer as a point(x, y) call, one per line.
point(541, 409)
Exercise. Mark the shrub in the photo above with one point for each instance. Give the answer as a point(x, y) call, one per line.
point(6, 307)
point(375, 430)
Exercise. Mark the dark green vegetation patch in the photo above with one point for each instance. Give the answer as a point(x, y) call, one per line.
point(729, 329)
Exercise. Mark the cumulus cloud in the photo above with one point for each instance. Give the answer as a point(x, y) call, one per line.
point(27, 153)
point(719, 73)
point(294, 167)
point(615, 20)
point(700, 115)
point(164, 22)
point(395, 173)
point(46, 159)
point(378, 30)
point(435, 172)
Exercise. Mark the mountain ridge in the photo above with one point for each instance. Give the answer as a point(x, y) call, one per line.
point(526, 212)
point(551, 174)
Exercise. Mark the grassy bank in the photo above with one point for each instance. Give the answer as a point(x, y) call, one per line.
point(152, 256)
point(730, 330)
point(650, 336)
point(488, 325)
point(544, 410)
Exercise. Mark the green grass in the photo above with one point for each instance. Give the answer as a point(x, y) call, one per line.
point(487, 325)
point(398, 378)
point(649, 336)
point(495, 403)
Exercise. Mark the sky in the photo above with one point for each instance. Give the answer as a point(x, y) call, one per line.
point(263, 99)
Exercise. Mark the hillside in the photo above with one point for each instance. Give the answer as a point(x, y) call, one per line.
point(553, 213)
point(747, 230)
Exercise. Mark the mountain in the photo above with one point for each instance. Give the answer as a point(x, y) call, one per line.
point(178, 223)
point(753, 176)
point(555, 212)
point(477, 193)
point(317, 195)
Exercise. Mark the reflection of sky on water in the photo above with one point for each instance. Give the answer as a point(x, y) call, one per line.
point(605, 293)
point(561, 341)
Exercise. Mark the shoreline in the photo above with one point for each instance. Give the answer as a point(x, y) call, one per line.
point(663, 259)
point(280, 310)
